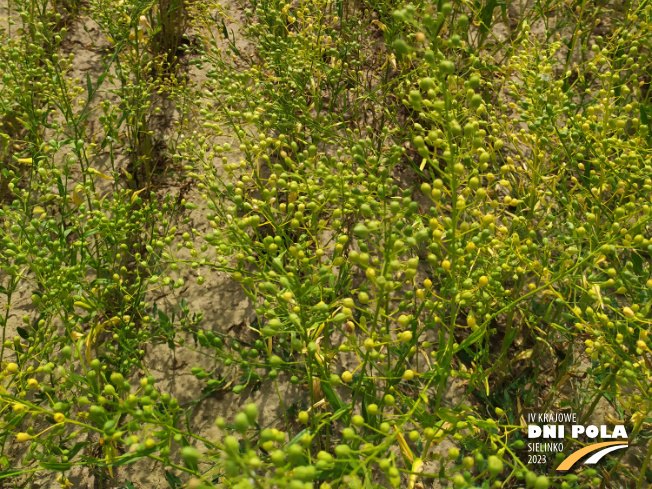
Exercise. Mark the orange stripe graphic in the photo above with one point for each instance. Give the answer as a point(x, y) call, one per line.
point(575, 456)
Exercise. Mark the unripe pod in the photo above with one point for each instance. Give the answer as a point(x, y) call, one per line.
point(447, 67)
point(190, 455)
point(494, 466)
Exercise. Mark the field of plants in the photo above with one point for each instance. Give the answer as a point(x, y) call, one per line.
point(319, 244)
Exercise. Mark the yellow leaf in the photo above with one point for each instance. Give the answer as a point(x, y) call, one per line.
point(441, 427)
point(95, 331)
point(319, 330)
point(129, 176)
point(596, 290)
point(135, 195)
point(637, 420)
point(26, 161)
point(75, 195)
point(102, 200)
point(88, 349)
point(518, 406)
point(405, 449)
point(63, 481)
point(613, 420)
point(143, 21)
point(83, 305)
point(648, 364)
point(524, 355)
point(110, 452)
point(93, 171)
point(417, 468)
point(563, 380)
point(379, 24)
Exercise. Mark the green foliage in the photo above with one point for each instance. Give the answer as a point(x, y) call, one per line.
point(441, 217)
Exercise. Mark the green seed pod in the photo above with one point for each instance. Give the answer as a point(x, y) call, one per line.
point(231, 445)
point(66, 352)
point(241, 422)
point(401, 48)
point(190, 455)
point(295, 454)
point(427, 84)
point(453, 453)
point(117, 379)
point(459, 481)
point(430, 58)
point(278, 458)
point(476, 101)
point(447, 67)
point(305, 473)
point(275, 361)
point(59, 407)
point(342, 451)
point(251, 411)
point(542, 482)
point(415, 97)
point(389, 400)
point(494, 465)
point(361, 231)
point(97, 414)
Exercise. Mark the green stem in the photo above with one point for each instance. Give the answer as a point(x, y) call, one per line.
point(644, 466)
point(445, 366)
point(605, 385)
